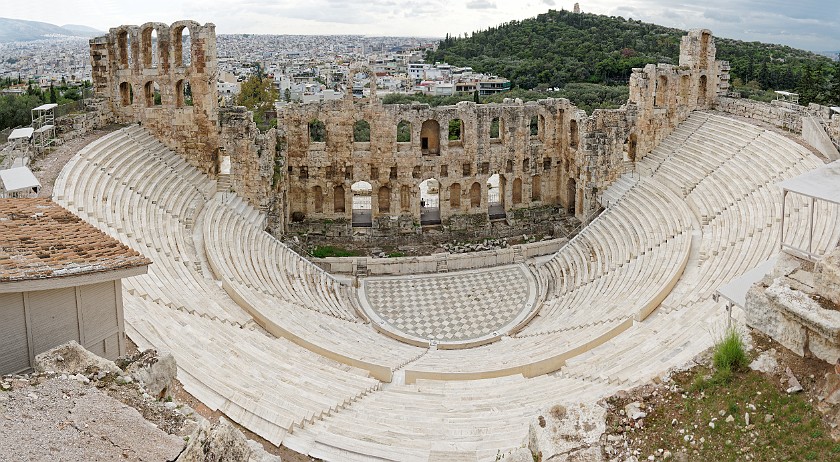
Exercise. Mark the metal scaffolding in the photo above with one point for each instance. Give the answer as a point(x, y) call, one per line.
point(43, 122)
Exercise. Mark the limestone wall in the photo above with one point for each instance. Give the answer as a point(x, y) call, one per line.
point(789, 306)
point(780, 114)
point(253, 157)
point(535, 169)
point(439, 262)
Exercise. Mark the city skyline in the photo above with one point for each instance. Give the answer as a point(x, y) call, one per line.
point(806, 24)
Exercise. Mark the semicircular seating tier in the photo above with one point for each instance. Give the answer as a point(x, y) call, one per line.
point(284, 349)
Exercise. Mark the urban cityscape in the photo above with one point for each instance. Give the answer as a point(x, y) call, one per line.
point(304, 68)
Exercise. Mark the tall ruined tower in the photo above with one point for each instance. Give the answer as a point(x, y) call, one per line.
point(153, 75)
point(665, 94)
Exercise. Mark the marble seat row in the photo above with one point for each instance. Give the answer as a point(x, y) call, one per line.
point(441, 420)
point(238, 250)
point(266, 384)
point(121, 190)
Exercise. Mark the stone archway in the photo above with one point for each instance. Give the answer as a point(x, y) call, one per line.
point(362, 215)
point(430, 202)
point(496, 197)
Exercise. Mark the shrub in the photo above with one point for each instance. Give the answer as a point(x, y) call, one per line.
point(730, 354)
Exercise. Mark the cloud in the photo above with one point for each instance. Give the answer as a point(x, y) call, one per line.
point(716, 16)
point(809, 24)
point(481, 5)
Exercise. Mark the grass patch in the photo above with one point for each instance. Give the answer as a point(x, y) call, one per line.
point(703, 415)
point(395, 254)
point(324, 251)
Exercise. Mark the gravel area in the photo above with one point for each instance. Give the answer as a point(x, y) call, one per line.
point(47, 168)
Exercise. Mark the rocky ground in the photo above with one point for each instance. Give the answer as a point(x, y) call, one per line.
point(79, 407)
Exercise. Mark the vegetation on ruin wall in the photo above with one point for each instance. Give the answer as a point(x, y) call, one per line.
point(560, 47)
point(258, 94)
point(587, 96)
point(325, 251)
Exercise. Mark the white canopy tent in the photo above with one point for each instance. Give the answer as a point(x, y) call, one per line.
point(19, 182)
point(19, 134)
point(823, 184)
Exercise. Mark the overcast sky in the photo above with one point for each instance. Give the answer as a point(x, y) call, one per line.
point(809, 24)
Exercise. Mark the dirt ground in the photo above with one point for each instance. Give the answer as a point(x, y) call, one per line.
point(47, 167)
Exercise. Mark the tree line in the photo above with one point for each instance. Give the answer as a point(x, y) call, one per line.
point(15, 110)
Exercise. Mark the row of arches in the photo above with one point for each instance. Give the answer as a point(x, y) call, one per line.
point(430, 134)
point(661, 97)
point(150, 51)
point(152, 95)
point(429, 192)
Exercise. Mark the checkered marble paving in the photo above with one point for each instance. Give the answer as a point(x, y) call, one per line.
point(450, 307)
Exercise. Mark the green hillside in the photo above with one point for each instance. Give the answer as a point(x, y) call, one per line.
point(560, 47)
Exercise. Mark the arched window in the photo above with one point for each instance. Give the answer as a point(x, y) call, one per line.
point(455, 196)
point(361, 131)
point(403, 131)
point(430, 138)
point(573, 134)
point(705, 41)
point(384, 199)
point(338, 199)
point(318, 199)
point(534, 126)
point(685, 88)
point(149, 47)
point(126, 94)
point(317, 131)
point(701, 93)
point(526, 165)
point(495, 130)
point(475, 195)
point(151, 93)
point(182, 46)
point(124, 45)
point(183, 94)
point(456, 130)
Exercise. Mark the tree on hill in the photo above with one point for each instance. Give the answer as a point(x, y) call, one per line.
point(258, 95)
point(834, 88)
point(15, 110)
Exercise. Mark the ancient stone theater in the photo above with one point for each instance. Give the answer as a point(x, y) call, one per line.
point(441, 357)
